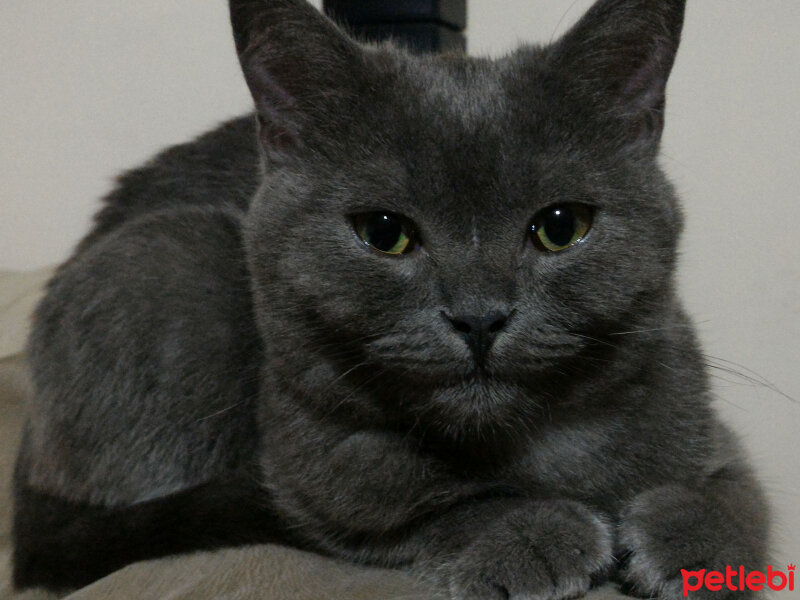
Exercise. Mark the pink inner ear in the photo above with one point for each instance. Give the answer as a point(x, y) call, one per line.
point(281, 140)
point(642, 95)
point(645, 127)
point(645, 86)
point(275, 138)
point(274, 106)
point(269, 96)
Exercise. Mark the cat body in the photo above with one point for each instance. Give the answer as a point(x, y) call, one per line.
point(236, 354)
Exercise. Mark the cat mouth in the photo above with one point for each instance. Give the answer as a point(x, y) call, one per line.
point(458, 376)
point(479, 374)
point(480, 377)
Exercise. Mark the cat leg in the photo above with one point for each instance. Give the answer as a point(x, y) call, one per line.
point(144, 357)
point(518, 549)
point(415, 511)
point(673, 529)
point(64, 545)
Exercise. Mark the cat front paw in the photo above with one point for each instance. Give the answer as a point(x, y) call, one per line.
point(670, 531)
point(546, 551)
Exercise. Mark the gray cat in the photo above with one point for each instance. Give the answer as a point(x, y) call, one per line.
point(419, 313)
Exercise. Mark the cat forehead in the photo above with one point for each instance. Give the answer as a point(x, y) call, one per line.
point(460, 127)
point(459, 93)
point(465, 91)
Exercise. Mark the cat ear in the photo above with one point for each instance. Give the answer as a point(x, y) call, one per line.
point(300, 68)
point(621, 54)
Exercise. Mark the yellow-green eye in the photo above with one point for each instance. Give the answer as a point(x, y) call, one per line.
point(560, 226)
point(386, 232)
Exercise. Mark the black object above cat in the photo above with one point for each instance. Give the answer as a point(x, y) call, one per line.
point(423, 315)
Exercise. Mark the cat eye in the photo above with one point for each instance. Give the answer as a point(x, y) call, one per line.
point(560, 226)
point(386, 232)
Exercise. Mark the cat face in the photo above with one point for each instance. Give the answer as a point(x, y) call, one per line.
point(457, 237)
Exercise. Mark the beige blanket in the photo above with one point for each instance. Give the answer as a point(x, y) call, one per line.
point(258, 572)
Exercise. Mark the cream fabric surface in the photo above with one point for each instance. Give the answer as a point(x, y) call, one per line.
point(252, 573)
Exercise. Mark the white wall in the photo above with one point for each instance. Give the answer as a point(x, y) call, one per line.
point(89, 87)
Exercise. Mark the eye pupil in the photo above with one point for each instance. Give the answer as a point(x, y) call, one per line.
point(385, 232)
point(559, 225)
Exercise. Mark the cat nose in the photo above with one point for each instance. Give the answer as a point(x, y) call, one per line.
point(479, 331)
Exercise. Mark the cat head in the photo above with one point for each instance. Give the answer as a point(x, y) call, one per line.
point(454, 239)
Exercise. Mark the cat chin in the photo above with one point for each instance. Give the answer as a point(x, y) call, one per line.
point(476, 405)
point(482, 393)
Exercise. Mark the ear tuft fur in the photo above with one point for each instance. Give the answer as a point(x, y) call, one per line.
point(622, 51)
point(298, 66)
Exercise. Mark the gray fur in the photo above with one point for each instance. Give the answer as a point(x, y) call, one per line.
point(374, 436)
